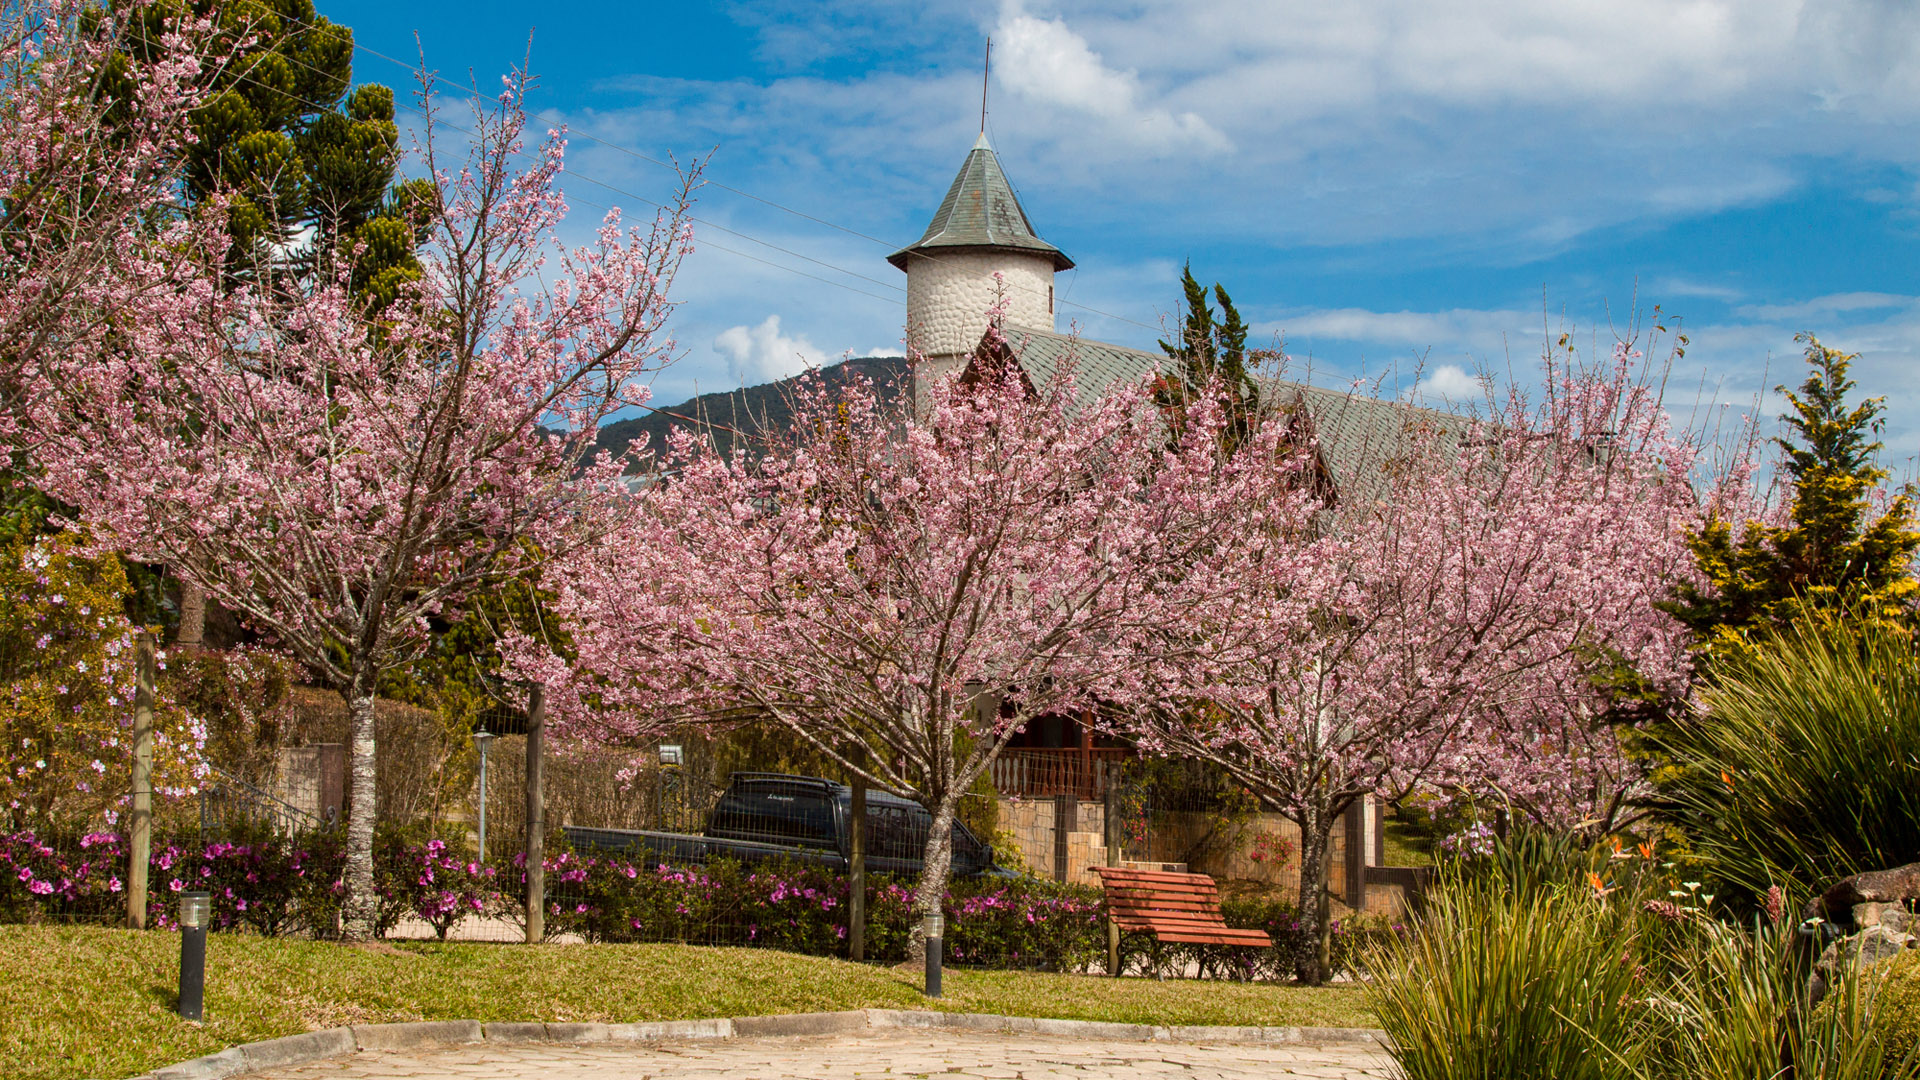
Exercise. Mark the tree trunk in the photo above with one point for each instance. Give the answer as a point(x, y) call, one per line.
point(359, 908)
point(1316, 907)
point(927, 896)
point(193, 616)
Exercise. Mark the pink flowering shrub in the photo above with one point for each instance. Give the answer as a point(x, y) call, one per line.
point(66, 689)
point(428, 877)
point(260, 880)
point(610, 898)
point(48, 877)
point(991, 922)
point(1025, 923)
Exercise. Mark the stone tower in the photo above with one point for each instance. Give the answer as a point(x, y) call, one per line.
point(979, 230)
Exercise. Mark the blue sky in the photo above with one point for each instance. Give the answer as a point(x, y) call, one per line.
point(1387, 186)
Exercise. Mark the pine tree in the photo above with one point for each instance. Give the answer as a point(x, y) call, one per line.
point(1835, 553)
point(1209, 348)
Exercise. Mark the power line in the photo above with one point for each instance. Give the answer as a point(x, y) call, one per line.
point(423, 114)
point(649, 159)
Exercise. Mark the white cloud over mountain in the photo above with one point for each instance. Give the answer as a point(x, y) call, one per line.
point(762, 354)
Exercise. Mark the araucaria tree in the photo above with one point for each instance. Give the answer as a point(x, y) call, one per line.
point(904, 591)
point(1440, 629)
point(337, 476)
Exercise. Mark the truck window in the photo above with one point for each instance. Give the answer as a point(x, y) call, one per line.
point(778, 814)
point(890, 833)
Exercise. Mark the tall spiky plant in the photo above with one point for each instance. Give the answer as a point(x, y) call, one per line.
point(1801, 761)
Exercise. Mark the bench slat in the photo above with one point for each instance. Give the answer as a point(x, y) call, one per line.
point(1193, 925)
point(1260, 942)
point(1172, 907)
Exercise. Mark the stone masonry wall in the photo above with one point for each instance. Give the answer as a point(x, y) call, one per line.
point(950, 296)
point(1031, 825)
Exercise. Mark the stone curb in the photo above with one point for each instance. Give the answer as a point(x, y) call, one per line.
point(342, 1041)
point(409, 1036)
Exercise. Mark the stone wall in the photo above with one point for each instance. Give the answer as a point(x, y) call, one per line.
point(950, 296)
point(1262, 850)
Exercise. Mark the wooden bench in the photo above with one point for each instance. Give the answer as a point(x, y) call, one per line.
point(1172, 907)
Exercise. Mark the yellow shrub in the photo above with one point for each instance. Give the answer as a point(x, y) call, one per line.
point(66, 690)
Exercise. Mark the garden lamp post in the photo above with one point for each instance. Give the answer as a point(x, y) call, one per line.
point(481, 740)
point(195, 909)
point(933, 928)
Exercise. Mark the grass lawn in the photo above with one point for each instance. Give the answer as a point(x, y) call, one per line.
point(1405, 845)
point(79, 1002)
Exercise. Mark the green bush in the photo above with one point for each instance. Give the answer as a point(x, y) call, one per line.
point(1800, 766)
point(1293, 943)
point(1896, 1008)
point(1538, 964)
point(991, 922)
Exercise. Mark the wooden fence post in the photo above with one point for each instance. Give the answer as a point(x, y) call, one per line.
point(857, 871)
point(1356, 854)
point(1111, 826)
point(536, 844)
point(140, 823)
point(1064, 806)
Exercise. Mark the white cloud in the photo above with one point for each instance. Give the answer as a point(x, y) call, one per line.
point(1513, 126)
point(762, 354)
point(1419, 329)
point(1826, 306)
point(1450, 384)
point(1851, 55)
point(1045, 62)
point(1689, 288)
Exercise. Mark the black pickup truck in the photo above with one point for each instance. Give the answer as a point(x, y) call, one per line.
point(768, 817)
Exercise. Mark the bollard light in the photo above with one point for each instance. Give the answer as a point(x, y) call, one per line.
point(932, 925)
point(196, 910)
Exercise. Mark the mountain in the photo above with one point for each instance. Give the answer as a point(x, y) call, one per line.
point(731, 415)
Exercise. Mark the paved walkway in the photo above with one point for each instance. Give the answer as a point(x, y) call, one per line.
point(898, 1053)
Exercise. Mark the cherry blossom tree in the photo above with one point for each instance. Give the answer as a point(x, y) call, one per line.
point(91, 137)
point(338, 474)
point(904, 591)
point(1444, 629)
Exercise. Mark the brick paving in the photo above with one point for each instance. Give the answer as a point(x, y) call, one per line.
point(887, 1053)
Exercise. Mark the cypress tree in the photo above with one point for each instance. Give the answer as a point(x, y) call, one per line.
point(1835, 554)
point(305, 160)
point(1209, 348)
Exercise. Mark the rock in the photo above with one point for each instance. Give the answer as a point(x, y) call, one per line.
point(1893, 916)
point(1856, 953)
point(1864, 949)
point(1874, 887)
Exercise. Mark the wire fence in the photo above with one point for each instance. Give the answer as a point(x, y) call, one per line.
point(673, 840)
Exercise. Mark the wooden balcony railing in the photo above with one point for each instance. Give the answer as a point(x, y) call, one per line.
point(1030, 773)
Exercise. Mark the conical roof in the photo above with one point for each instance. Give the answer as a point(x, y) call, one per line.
point(980, 211)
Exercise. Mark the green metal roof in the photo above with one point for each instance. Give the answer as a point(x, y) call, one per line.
point(980, 211)
point(1359, 435)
